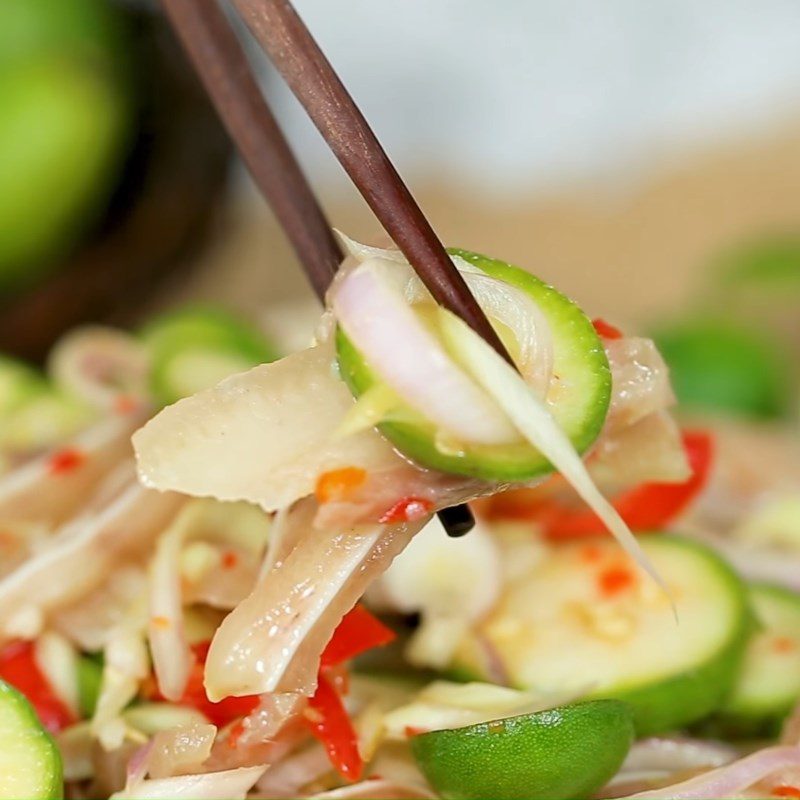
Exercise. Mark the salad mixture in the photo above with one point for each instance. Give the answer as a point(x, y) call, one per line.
point(256, 599)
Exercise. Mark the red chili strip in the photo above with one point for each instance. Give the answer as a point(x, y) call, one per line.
point(220, 713)
point(19, 668)
point(66, 460)
point(358, 632)
point(647, 507)
point(330, 723)
point(409, 509)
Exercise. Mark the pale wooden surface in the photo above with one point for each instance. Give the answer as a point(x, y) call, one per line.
point(631, 253)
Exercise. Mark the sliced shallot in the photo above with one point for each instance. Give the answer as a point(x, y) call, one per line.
point(729, 780)
point(232, 784)
point(103, 366)
point(375, 316)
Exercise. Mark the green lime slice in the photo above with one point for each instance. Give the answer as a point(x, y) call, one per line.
point(579, 361)
point(30, 764)
point(717, 365)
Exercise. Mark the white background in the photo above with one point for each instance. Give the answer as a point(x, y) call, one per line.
point(523, 93)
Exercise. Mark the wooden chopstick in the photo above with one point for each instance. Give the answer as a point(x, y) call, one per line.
point(225, 71)
point(223, 67)
point(292, 49)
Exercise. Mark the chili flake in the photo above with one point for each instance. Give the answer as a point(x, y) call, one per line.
point(66, 460)
point(783, 644)
point(409, 509)
point(125, 404)
point(591, 552)
point(616, 579)
point(339, 484)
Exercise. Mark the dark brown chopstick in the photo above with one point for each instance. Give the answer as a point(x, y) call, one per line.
point(223, 67)
point(225, 71)
point(295, 53)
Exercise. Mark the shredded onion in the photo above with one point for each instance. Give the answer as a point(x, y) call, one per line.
point(89, 621)
point(172, 658)
point(180, 751)
point(376, 316)
point(126, 665)
point(657, 758)
point(152, 718)
point(451, 582)
point(136, 771)
point(287, 778)
point(729, 780)
point(264, 737)
point(269, 719)
point(101, 365)
point(755, 563)
point(376, 789)
point(75, 745)
point(444, 705)
point(84, 552)
point(233, 784)
point(58, 662)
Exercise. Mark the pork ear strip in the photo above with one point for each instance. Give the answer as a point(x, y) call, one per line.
point(272, 641)
point(84, 551)
point(37, 492)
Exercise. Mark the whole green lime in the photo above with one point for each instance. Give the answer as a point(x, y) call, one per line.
point(30, 762)
point(721, 365)
point(565, 752)
point(769, 262)
point(64, 127)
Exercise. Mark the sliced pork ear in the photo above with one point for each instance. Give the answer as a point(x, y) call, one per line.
point(648, 450)
point(390, 541)
point(89, 621)
point(273, 640)
point(640, 381)
point(52, 487)
point(82, 553)
point(263, 436)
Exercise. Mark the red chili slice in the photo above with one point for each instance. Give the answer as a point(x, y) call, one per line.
point(649, 506)
point(330, 723)
point(194, 695)
point(358, 632)
point(18, 667)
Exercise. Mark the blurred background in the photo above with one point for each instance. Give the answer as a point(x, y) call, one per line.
point(644, 157)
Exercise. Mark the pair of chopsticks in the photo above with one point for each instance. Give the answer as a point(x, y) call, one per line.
point(223, 67)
